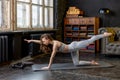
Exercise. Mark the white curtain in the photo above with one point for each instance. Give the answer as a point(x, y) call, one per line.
point(4, 13)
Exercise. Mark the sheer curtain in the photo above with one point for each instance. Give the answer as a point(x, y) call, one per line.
point(4, 14)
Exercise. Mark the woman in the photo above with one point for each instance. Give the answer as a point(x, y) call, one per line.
point(46, 40)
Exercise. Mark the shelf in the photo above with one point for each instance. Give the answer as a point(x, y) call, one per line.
point(72, 31)
point(90, 30)
point(77, 29)
point(92, 51)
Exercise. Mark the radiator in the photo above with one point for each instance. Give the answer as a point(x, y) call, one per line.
point(3, 48)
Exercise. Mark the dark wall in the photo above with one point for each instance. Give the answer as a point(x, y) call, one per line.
point(60, 9)
point(91, 8)
point(15, 45)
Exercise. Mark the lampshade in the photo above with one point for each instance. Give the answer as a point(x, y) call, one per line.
point(104, 11)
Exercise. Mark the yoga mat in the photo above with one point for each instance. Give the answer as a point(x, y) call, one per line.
point(62, 66)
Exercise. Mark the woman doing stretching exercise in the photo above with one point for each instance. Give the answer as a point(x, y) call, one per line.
point(73, 47)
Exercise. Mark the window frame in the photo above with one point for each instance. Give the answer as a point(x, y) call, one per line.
point(13, 17)
point(43, 21)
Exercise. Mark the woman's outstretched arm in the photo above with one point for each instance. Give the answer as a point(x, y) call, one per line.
point(34, 41)
point(52, 57)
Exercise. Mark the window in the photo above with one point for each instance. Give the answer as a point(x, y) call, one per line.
point(48, 11)
point(0, 14)
point(35, 14)
point(26, 14)
point(23, 16)
point(4, 14)
point(37, 19)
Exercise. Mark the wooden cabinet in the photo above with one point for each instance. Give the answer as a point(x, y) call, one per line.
point(81, 28)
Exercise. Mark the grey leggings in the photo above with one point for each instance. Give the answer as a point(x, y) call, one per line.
point(76, 45)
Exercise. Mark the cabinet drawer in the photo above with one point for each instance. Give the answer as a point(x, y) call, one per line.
point(74, 21)
point(90, 21)
point(82, 21)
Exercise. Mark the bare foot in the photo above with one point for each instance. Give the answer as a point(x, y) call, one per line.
point(94, 62)
point(107, 34)
point(45, 68)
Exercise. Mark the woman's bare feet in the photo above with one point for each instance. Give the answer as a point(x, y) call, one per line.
point(107, 34)
point(94, 62)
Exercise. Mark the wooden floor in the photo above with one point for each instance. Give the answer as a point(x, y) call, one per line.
point(7, 73)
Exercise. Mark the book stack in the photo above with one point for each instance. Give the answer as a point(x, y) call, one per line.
point(83, 49)
point(90, 28)
point(69, 34)
point(91, 47)
point(68, 40)
point(74, 12)
point(90, 34)
point(83, 28)
point(75, 28)
point(83, 34)
point(75, 34)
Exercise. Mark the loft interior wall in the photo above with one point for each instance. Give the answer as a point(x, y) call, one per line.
point(91, 8)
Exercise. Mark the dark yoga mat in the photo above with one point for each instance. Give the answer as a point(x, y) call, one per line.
point(60, 66)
